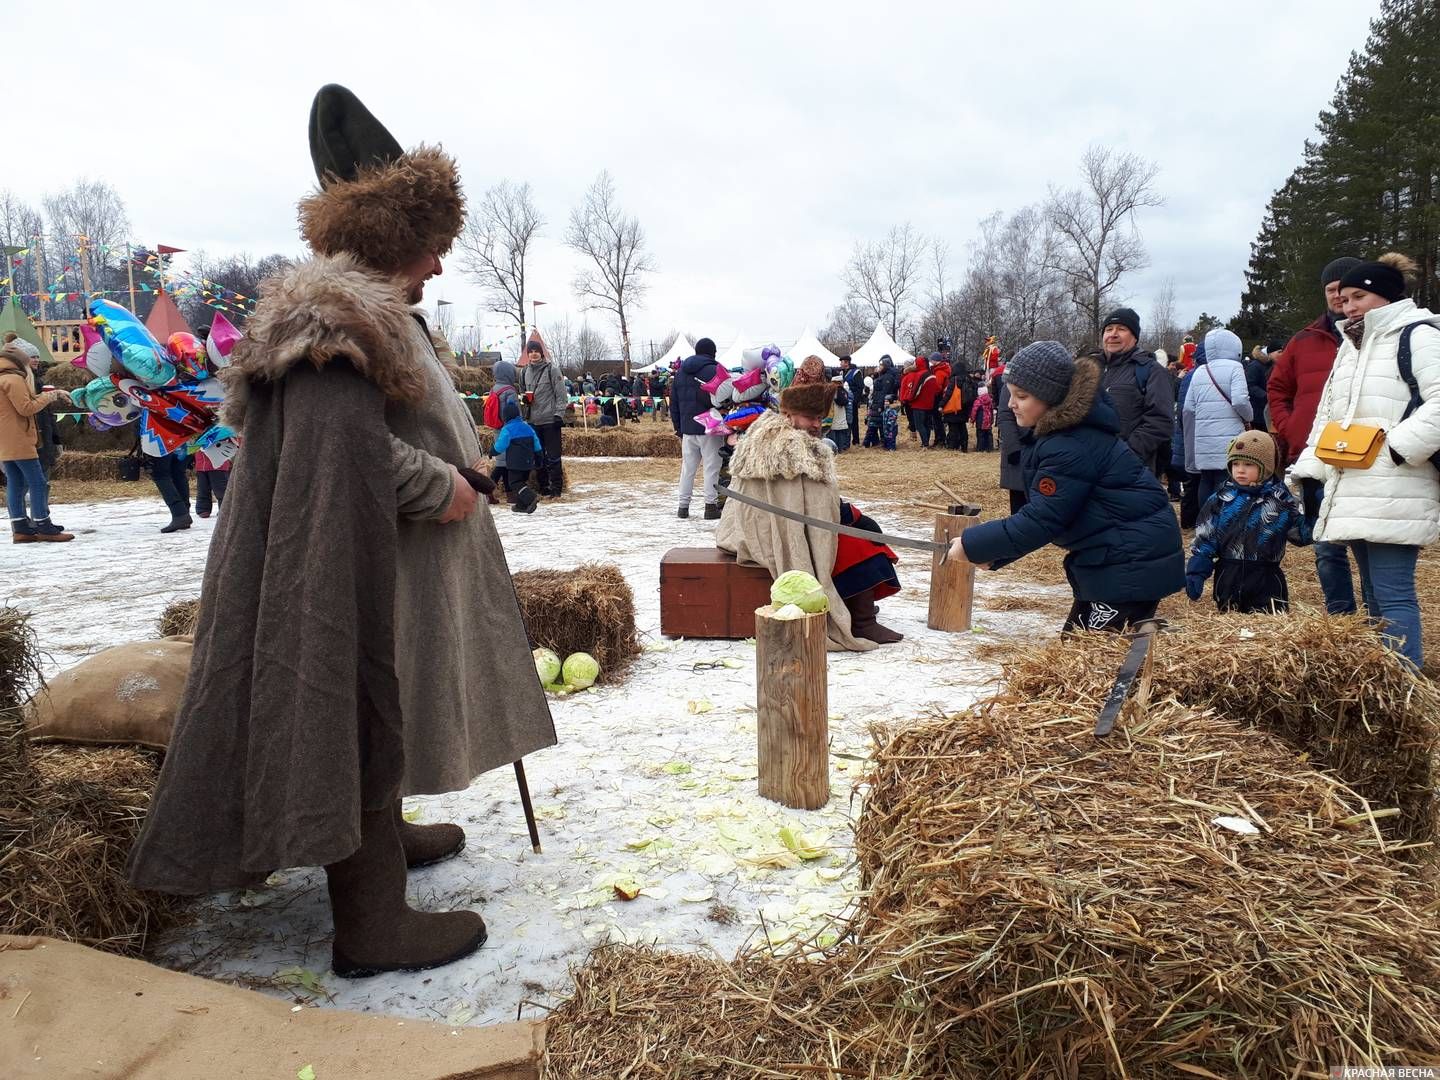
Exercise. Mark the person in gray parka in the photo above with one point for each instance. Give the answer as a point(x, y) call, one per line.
point(1217, 408)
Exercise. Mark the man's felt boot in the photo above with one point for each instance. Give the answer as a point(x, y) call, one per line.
point(375, 929)
point(863, 620)
point(427, 844)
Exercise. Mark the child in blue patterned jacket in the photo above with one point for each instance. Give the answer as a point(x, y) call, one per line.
point(1243, 529)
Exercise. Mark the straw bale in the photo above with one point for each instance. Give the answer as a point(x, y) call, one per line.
point(588, 609)
point(80, 465)
point(69, 829)
point(1040, 903)
point(179, 617)
point(19, 675)
point(1325, 684)
point(66, 376)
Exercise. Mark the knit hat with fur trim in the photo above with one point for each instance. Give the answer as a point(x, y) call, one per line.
point(1256, 447)
point(808, 399)
point(383, 205)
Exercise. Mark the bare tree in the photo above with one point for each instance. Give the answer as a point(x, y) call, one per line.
point(885, 276)
point(591, 348)
point(495, 244)
point(444, 321)
point(88, 214)
point(564, 350)
point(849, 328)
point(236, 275)
point(614, 244)
point(20, 224)
point(1165, 334)
point(1098, 241)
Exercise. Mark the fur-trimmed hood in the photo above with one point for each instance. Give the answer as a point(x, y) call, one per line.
point(317, 310)
point(1082, 403)
point(772, 449)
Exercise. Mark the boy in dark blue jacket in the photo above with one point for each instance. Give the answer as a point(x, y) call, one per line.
point(1088, 493)
point(516, 446)
point(1243, 530)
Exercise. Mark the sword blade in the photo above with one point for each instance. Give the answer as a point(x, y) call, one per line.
point(1134, 659)
point(928, 546)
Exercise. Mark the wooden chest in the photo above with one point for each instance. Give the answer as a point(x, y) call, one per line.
point(705, 593)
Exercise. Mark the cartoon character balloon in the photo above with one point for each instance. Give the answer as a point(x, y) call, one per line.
point(131, 345)
point(110, 407)
point(779, 371)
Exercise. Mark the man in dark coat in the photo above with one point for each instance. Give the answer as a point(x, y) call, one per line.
point(359, 638)
point(1088, 493)
point(1258, 366)
point(884, 388)
point(689, 398)
point(853, 379)
point(1296, 383)
point(1143, 397)
point(1012, 472)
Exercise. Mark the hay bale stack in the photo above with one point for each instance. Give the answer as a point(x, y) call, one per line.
point(65, 376)
point(589, 609)
point(68, 818)
point(1042, 903)
point(619, 442)
point(1325, 684)
point(79, 465)
point(179, 617)
point(472, 380)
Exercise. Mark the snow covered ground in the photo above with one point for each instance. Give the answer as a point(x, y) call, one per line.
point(653, 780)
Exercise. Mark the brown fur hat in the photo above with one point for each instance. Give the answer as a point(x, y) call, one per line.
point(808, 399)
point(376, 202)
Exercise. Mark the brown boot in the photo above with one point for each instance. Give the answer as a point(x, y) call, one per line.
point(426, 844)
point(375, 929)
point(863, 622)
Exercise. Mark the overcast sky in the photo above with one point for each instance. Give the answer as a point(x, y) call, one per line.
point(756, 141)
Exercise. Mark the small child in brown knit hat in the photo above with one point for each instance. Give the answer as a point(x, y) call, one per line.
point(1243, 529)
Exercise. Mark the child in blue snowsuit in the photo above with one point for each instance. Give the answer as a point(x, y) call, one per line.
point(516, 446)
point(1243, 529)
point(1088, 493)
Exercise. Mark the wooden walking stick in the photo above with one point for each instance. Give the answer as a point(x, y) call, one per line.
point(525, 802)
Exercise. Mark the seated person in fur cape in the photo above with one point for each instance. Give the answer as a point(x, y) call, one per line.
point(359, 638)
point(783, 461)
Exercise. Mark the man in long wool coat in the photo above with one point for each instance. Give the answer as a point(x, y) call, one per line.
point(359, 637)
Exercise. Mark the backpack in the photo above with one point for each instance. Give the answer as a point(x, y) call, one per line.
point(492, 411)
point(1402, 361)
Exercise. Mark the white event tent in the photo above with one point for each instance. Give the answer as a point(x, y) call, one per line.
point(880, 344)
point(809, 345)
point(731, 357)
point(680, 350)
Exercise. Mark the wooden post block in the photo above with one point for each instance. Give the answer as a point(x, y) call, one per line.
point(793, 715)
point(952, 585)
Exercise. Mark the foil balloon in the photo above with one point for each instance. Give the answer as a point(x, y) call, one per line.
point(132, 346)
point(713, 423)
point(112, 409)
point(222, 341)
point(96, 356)
point(187, 353)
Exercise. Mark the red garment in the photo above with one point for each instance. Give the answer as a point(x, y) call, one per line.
point(852, 551)
point(908, 382)
point(927, 391)
point(983, 412)
point(942, 372)
point(1187, 356)
point(1296, 383)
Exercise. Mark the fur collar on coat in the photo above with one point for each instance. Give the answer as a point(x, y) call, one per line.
point(317, 310)
point(1075, 406)
point(773, 449)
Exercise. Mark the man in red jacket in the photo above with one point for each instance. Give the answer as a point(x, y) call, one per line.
point(1294, 390)
point(922, 405)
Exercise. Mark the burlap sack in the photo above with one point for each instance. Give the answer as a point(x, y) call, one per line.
point(125, 696)
point(66, 1010)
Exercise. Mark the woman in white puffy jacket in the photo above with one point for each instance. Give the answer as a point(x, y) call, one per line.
point(1387, 512)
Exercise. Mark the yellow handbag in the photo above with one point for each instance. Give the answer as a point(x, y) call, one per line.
point(1353, 447)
